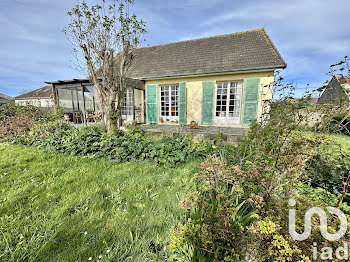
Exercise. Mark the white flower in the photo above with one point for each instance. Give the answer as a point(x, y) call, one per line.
point(108, 250)
point(100, 256)
point(21, 236)
point(90, 258)
point(85, 233)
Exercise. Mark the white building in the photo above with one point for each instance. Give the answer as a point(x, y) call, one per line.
point(41, 97)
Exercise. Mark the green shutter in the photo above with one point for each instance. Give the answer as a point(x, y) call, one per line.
point(152, 105)
point(208, 88)
point(182, 103)
point(251, 99)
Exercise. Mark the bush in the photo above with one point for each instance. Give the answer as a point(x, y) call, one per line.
point(226, 220)
point(329, 167)
point(17, 121)
point(164, 151)
point(58, 136)
point(16, 127)
point(49, 135)
point(335, 118)
point(340, 123)
point(82, 141)
point(218, 215)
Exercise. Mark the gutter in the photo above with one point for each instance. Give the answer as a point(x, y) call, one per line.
point(29, 98)
point(257, 69)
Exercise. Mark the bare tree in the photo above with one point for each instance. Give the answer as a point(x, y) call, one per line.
point(105, 35)
point(25, 90)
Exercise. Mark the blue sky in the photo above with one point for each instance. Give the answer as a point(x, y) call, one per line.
point(310, 34)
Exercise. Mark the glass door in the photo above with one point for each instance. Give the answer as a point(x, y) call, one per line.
point(128, 106)
point(228, 103)
point(169, 104)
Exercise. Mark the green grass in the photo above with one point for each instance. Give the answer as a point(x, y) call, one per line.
point(343, 140)
point(59, 208)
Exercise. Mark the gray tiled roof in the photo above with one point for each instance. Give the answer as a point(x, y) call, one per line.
point(43, 92)
point(5, 98)
point(249, 50)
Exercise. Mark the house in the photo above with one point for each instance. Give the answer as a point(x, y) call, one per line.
point(41, 97)
point(336, 91)
point(221, 80)
point(5, 99)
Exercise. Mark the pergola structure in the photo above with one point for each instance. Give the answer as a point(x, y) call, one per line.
point(78, 99)
point(80, 102)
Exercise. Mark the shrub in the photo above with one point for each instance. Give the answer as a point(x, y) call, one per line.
point(49, 133)
point(340, 123)
point(164, 151)
point(17, 121)
point(82, 141)
point(321, 195)
point(329, 167)
point(335, 118)
point(218, 215)
point(226, 220)
point(59, 136)
point(15, 127)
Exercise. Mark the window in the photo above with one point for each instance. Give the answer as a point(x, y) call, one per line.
point(228, 102)
point(38, 103)
point(169, 103)
point(47, 103)
point(128, 108)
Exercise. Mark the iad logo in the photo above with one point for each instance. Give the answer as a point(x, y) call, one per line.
point(323, 223)
point(327, 252)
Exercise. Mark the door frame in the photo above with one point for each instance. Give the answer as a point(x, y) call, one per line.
point(169, 118)
point(129, 96)
point(225, 120)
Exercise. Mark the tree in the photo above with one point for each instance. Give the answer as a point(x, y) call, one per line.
point(105, 36)
point(25, 90)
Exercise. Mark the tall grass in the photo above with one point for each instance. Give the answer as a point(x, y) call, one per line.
point(59, 208)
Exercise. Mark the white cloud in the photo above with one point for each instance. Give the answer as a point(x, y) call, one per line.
point(310, 34)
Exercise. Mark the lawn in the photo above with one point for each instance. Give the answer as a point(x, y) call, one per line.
point(60, 208)
point(343, 140)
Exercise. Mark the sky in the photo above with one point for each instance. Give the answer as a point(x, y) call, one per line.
point(310, 34)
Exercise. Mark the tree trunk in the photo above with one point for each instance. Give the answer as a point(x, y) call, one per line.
point(109, 112)
point(107, 118)
point(119, 108)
